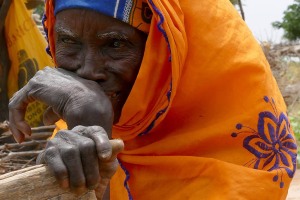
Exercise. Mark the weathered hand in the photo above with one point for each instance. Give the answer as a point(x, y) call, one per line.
point(76, 100)
point(82, 158)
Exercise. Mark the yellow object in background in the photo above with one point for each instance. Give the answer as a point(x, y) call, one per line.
point(26, 47)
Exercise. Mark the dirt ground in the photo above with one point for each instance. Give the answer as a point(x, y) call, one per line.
point(294, 191)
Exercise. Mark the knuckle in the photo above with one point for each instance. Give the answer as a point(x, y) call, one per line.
point(87, 145)
point(60, 134)
point(79, 128)
point(39, 72)
point(11, 104)
point(50, 153)
point(97, 129)
point(63, 136)
point(47, 68)
point(60, 172)
point(69, 151)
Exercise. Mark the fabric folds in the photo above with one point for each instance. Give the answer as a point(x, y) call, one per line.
point(205, 118)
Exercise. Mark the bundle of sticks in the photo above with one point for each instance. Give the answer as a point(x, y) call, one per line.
point(15, 156)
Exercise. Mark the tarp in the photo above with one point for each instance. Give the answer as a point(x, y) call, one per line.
point(26, 47)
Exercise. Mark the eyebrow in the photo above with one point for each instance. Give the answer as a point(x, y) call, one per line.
point(64, 31)
point(112, 35)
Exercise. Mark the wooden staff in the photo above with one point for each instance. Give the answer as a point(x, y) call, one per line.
point(36, 183)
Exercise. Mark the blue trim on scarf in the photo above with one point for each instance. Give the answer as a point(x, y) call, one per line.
point(106, 7)
point(159, 25)
point(126, 180)
point(149, 128)
point(161, 29)
point(46, 32)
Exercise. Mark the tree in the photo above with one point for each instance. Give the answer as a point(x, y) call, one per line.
point(291, 22)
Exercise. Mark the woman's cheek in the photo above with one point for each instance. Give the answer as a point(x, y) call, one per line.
point(66, 59)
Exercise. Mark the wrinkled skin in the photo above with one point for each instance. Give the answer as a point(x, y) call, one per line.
point(98, 59)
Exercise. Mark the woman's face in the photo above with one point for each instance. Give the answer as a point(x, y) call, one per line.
point(100, 48)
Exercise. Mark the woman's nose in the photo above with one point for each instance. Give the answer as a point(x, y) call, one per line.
point(92, 70)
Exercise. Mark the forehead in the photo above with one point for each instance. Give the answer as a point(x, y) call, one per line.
point(84, 20)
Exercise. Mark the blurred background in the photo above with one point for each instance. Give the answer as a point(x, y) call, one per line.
point(276, 26)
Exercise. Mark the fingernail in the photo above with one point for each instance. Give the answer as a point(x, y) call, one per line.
point(17, 139)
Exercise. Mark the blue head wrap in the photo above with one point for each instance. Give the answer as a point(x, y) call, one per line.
point(123, 10)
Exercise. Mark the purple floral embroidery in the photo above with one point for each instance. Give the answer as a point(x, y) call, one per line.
point(273, 145)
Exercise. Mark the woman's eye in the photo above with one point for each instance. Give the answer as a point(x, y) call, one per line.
point(69, 41)
point(117, 44)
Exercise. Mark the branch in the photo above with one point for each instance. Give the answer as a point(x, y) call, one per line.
point(11, 155)
point(18, 146)
point(241, 9)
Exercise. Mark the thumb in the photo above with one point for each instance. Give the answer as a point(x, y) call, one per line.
point(50, 116)
point(108, 168)
point(117, 147)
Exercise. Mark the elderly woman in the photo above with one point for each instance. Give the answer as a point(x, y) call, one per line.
point(183, 83)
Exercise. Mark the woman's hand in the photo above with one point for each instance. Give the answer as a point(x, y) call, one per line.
point(76, 100)
point(82, 158)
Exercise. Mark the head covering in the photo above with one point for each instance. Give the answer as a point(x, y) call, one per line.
point(134, 12)
point(205, 118)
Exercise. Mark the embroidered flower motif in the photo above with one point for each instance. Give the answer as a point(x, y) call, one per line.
point(272, 144)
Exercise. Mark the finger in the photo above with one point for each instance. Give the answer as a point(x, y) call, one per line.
point(41, 158)
point(17, 108)
point(71, 157)
point(99, 136)
point(117, 147)
point(89, 160)
point(56, 165)
point(50, 117)
point(83, 152)
point(109, 168)
point(101, 189)
point(91, 170)
point(18, 136)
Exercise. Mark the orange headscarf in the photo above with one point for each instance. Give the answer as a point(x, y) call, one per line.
point(205, 118)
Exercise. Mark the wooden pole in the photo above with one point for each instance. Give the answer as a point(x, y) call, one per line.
point(36, 183)
point(241, 9)
point(4, 62)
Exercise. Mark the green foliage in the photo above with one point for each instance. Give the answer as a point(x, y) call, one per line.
point(39, 10)
point(295, 123)
point(291, 22)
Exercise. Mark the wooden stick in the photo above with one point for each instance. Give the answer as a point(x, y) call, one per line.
point(24, 144)
point(35, 183)
point(11, 155)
